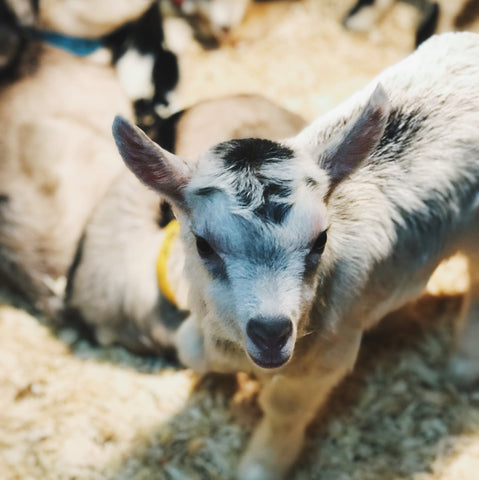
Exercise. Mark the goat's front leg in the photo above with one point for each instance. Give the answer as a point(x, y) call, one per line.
point(289, 404)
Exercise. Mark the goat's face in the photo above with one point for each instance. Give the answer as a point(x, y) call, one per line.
point(253, 217)
point(257, 224)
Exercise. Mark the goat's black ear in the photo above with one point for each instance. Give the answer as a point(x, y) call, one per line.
point(154, 166)
point(358, 140)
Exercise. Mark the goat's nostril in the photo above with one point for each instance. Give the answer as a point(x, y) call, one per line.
point(269, 333)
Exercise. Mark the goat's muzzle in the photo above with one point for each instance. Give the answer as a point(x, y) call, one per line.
point(270, 341)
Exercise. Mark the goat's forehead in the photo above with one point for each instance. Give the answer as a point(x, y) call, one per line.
point(256, 175)
point(243, 233)
point(256, 187)
point(251, 154)
point(230, 163)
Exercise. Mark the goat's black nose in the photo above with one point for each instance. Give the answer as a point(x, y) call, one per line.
point(269, 333)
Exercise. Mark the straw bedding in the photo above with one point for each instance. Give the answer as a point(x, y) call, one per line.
point(72, 410)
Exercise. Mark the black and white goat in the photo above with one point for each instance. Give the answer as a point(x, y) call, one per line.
point(293, 249)
point(113, 284)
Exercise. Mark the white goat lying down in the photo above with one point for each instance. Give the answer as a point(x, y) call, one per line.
point(56, 154)
point(292, 249)
point(112, 285)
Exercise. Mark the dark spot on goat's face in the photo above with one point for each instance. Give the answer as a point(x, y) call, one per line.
point(251, 153)
point(273, 212)
point(253, 161)
point(275, 206)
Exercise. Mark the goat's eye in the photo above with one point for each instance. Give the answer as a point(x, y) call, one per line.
point(319, 244)
point(205, 250)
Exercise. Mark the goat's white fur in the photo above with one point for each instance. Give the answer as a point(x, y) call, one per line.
point(396, 169)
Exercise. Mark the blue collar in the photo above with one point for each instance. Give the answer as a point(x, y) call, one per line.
point(80, 47)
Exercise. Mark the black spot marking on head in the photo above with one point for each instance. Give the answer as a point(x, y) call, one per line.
point(271, 209)
point(278, 190)
point(251, 153)
point(274, 206)
point(248, 157)
point(273, 212)
point(4, 198)
point(401, 129)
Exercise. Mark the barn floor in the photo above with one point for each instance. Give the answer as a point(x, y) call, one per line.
point(70, 410)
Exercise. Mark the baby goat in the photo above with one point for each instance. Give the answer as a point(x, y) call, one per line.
point(112, 286)
point(295, 248)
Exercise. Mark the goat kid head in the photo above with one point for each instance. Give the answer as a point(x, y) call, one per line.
point(254, 219)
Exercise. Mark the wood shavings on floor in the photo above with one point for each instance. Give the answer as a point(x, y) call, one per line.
point(71, 410)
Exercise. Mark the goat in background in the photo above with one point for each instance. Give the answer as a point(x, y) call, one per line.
point(56, 104)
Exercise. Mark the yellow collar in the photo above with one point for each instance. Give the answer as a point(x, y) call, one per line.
point(172, 230)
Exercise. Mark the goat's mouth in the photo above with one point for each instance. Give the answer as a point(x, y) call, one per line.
point(269, 358)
